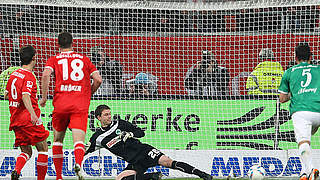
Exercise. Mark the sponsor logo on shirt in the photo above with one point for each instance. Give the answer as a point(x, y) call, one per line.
point(65, 55)
point(70, 88)
point(118, 132)
point(13, 104)
point(272, 74)
point(18, 74)
point(113, 141)
point(29, 84)
point(304, 90)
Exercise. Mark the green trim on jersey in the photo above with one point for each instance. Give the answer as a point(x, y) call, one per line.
point(303, 82)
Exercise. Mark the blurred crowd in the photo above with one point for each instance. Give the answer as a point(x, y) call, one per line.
point(40, 18)
point(205, 78)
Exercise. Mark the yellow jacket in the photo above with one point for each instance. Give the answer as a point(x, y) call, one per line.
point(265, 78)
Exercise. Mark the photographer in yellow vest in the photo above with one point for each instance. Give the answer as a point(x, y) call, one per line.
point(266, 76)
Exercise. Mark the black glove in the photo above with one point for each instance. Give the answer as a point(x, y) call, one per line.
point(125, 135)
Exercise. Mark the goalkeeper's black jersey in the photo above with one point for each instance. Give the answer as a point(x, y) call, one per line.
point(108, 137)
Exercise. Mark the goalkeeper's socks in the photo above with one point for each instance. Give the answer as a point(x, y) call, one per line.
point(42, 165)
point(79, 151)
point(305, 156)
point(57, 158)
point(21, 161)
point(184, 167)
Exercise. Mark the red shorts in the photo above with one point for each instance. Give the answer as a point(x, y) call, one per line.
point(60, 121)
point(30, 135)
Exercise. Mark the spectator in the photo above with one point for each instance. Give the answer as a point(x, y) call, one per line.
point(266, 76)
point(111, 72)
point(1, 26)
point(206, 78)
point(143, 84)
point(4, 76)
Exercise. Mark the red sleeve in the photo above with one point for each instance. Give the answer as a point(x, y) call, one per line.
point(28, 84)
point(91, 67)
point(50, 63)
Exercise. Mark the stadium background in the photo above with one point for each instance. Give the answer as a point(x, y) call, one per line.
point(165, 38)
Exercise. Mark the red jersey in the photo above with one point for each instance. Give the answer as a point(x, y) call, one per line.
point(21, 81)
point(72, 91)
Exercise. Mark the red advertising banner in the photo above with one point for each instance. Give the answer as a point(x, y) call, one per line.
point(169, 58)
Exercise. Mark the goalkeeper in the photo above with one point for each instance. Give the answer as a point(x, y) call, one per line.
point(121, 138)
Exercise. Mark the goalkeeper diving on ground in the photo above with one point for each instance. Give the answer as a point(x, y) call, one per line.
point(121, 138)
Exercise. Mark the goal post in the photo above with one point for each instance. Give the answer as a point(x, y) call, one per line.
point(220, 120)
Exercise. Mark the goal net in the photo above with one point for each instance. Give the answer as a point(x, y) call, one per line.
point(200, 77)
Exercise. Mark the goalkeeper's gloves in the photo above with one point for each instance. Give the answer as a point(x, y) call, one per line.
point(126, 135)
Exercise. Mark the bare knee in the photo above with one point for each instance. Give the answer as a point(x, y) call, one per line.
point(124, 174)
point(42, 146)
point(58, 136)
point(26, 150)
point(165, 161)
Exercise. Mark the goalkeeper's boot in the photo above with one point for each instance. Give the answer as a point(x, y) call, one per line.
point(314, 174)
point(206, 176)
point(14, 175)
point(77, 169)
point(157, 176)
point(303, 176)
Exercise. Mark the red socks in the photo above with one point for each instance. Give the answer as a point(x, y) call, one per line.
point(21, 161)
point(79, 151)
point(58, 158)
point(42, 165)
point(57, 152)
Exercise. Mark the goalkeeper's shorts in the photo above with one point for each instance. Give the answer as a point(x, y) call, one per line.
point(149, 157)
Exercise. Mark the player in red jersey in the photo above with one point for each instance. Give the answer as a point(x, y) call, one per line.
point(72, 94)
point(21, 91)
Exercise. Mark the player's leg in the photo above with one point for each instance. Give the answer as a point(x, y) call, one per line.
point(78, 124)
point(39, 139)
point(26, 153)
point(60, 124)
point(78, 142)
point(315, 126)
point(142, 176)
point(137, 172)
point(42, 161)
point(302, 130)
point(125, 173)
point(23, 141)
point(57, 152)
point(182, 166)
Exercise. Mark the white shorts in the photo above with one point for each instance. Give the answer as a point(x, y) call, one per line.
point(306, 123)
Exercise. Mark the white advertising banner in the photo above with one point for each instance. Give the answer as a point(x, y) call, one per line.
point(216, 162)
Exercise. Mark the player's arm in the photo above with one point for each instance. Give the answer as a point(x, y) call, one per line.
point(284, 88)
point(27, 103)
point(6, 94)
point(97, 80)
point(45, 80)
point(284, 97)
point(136, 131)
